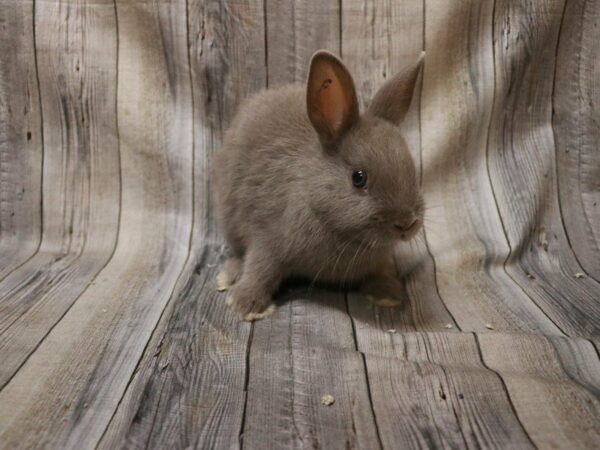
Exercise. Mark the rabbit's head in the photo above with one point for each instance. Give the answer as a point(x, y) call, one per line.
point(365, 185)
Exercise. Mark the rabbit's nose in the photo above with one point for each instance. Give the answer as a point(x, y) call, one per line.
point(406, 224)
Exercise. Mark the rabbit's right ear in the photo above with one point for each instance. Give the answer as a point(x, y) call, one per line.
point(331, 98)
point(392, 100)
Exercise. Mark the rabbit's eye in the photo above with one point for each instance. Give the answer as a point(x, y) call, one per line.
point(359, 178)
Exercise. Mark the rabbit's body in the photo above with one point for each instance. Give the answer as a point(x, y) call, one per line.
point(274, 210)
point(306, 187)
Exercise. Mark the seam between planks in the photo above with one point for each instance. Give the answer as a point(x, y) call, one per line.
point(266, 40)
point(290, 342)
point(246, 383)
point(39, 87)
point(41, 340)
point(251, 333)
point(595, 347)
point(435, 270)
point(507, 392)
point(364, 362)
point(424, 42)
point(341, 23)
point(552, 96)
point(493, 190)
point(192, 99)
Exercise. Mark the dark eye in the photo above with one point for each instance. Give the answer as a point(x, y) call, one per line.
point(359, 178)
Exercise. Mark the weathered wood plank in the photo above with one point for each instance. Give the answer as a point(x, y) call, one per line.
point(189, 387)
point(294, 31)
point(21, 146)
point(431, 390)
point(425, 388)
point(148, 355)
point(576, 106)
point(66, 392)
point(523, 170)
point(296, 355)
point(556, 410)
point(579, 361)
point(76, 53)
point(468, 240)
point(379, 39)
point(424, 397)
point(304, 351)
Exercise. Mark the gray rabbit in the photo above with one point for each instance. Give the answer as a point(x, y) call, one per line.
point(307, 187)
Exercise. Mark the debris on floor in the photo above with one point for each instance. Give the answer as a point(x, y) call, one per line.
point(442, 394)
point(327, 400)
point(489, 326)
point(391, 330)
point(579, 275)
point(543, 240)
point(448, 326)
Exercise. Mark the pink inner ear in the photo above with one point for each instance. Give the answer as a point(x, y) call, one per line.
point(332, 101)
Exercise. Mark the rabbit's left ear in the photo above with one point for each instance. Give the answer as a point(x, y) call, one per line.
point(392, 100)
point(331, 98)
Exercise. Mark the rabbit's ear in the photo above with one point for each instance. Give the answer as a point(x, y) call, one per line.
point(331, 97)
point(393, 98)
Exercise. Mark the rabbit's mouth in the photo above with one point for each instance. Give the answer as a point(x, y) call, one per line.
point(401, 229)
point(387, 233)
point(407, 232)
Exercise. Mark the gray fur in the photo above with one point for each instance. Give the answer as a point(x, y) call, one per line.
point(285, 198)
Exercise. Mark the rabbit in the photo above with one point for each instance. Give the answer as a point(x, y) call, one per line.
point(307, 187)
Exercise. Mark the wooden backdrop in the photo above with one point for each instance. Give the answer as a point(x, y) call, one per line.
point(111, 331)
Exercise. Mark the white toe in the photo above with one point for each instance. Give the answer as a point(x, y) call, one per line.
point(256, 316)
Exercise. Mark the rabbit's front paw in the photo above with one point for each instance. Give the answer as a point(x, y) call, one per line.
point(385, 291)
point(250, 306)
point(229, 274)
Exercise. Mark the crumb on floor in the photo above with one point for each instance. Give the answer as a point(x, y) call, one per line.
point(327, 400)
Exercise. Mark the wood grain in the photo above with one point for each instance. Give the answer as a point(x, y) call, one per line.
point(77, 375)
point(422, 385)
point(290, 366)
point(81, 175)
point(111, 331)
point(521, 146)
point(576, 100)
point(431, 390)
point(371, 36)
point(189, 387)
point(468, 239)
point(304, 351)
point(294, 30)
point(21, 150)
point(557, 411)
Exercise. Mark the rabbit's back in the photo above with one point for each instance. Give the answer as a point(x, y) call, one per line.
point(254, 170)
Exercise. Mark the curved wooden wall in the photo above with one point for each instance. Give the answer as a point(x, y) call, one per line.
point(111, 331)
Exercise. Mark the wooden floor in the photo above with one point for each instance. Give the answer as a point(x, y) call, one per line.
point(111, 331)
